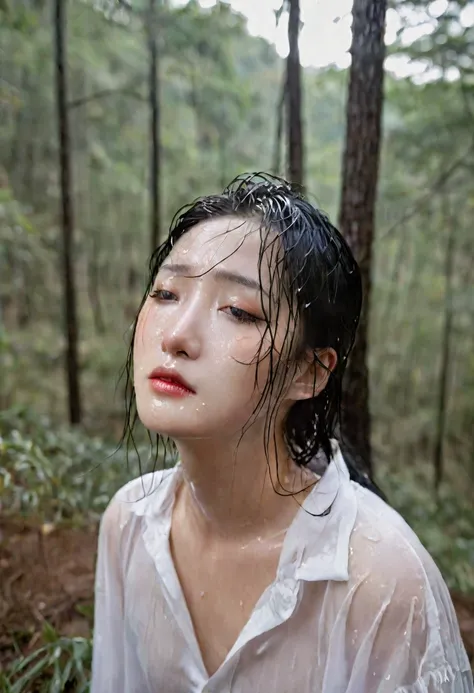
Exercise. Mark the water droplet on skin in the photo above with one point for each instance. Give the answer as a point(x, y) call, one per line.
point(181, 408)
point(241, 603)
point(202, 594)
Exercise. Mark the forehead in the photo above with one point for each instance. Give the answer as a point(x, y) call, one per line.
point(234, 242)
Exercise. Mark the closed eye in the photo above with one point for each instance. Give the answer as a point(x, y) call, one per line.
point(242, 315)
point(163, 295)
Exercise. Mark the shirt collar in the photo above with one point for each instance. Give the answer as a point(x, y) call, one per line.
point(316, 546)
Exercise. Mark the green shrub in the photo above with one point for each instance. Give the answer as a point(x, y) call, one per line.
point(444, 524)
point(61, 664)
point(57, 474)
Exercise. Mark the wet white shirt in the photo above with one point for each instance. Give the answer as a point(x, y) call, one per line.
point(357, 604)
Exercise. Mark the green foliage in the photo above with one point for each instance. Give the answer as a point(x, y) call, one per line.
point(56, 475)
point(447, 45)
point(61, 664)
point(444, 525)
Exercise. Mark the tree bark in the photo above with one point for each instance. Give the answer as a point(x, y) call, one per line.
point(67, 218)
point(294, 98)
point(93, 284)
point(359, 187)
point(154, 126)
point(280, 114)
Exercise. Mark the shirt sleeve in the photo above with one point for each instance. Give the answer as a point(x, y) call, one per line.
point(403, 630)
point(108, 675)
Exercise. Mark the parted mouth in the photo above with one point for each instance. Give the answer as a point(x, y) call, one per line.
point(172, 377)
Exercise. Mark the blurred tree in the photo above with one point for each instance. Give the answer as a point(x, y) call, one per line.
point(155, 159)
point(431, 131)
point(438, 460)
point(294, 97)
point(359, 184)
point(67, 220)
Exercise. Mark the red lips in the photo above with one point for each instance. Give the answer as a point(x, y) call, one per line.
point(168, 381)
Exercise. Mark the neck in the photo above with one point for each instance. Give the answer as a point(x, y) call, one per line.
point(232, 489)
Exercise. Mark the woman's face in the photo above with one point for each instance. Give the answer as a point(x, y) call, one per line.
point(203, 324)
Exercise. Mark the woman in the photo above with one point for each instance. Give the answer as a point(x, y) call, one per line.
point(247, 567)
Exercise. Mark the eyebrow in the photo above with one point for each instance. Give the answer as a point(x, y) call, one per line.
point(219, 274)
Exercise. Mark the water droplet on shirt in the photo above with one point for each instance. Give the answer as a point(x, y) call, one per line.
point(262, 648)
point(372, 534)
point(387, 678)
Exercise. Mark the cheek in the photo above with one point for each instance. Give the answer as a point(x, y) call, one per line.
point(245, 348)
point(144, 329)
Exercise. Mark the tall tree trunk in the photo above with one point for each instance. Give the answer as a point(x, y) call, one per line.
point(280, 115)
point(438, 460)
point(359, 186)
point(222, 152)
point(294, 98)
point(154, 126)
point(67, 221)
point(93, 283)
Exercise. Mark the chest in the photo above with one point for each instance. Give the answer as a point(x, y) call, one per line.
point(221, 587)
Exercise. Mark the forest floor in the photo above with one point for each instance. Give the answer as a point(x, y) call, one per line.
point(47, 576)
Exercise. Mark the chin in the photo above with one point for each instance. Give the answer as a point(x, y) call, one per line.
point(180, 426)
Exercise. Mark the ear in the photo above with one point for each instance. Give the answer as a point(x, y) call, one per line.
point(312, 374)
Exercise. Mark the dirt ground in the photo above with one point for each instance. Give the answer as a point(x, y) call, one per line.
point(49, 576)
point(44, 577)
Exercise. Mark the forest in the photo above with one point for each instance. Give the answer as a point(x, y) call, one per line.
point(114, 114)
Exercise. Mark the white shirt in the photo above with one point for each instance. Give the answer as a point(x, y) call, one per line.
point(357, 604)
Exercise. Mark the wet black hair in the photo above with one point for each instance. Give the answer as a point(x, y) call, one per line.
point(313, 270)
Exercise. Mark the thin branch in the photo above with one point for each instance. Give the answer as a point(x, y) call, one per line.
point(126, 5)
point(465, 97)
point(438, 183)
point(103, 94)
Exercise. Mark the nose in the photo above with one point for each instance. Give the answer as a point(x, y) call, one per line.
point(180, 337)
